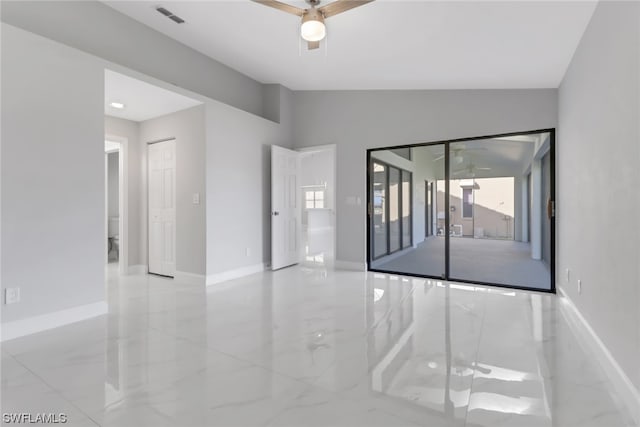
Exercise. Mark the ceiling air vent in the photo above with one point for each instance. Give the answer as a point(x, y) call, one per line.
point(170, 15)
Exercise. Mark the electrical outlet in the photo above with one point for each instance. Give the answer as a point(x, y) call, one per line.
point(579, 286)
point(11, 295)
point(568, 275)
point(196, 198)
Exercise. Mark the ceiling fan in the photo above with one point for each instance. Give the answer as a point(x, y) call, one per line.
point(312, 28)
point(471, 169)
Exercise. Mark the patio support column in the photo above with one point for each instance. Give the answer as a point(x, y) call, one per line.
point(525, 208)
point(536, 209)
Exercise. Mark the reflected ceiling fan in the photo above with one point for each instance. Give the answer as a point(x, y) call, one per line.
point(471, 169)
point(313, 29)
point(456, 153)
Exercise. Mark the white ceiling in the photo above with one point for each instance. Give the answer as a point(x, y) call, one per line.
point(143, 101)
point(393, 44)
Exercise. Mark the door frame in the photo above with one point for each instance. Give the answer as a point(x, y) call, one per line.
point(123, 203)
point(447, 179)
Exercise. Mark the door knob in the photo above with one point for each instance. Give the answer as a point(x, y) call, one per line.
point(276, 213)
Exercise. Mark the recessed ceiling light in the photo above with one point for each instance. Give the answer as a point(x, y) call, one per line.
point(118, 105)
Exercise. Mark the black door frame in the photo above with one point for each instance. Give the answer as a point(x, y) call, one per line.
point(447, 178)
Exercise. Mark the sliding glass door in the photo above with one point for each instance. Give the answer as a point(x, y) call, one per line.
point(482, 210)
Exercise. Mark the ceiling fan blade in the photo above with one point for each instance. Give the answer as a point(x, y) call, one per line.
point(313, 45)
point(281, 6)
point(340, 6)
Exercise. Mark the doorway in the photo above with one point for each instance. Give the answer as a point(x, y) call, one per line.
point(303, 206)
point(116, 203)
point(484, 210)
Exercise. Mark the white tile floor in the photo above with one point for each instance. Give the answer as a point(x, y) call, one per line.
point(312, 346)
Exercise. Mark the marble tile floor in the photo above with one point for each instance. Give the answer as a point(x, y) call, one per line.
point(310, 346)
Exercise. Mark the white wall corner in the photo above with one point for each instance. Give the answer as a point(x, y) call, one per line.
point(350, 265)
point(213, 279)
point(623, 385)
point(32, 325)
point(189, 278)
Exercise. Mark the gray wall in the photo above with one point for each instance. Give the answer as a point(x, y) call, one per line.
point(238, 176)
point(598, 201)
point(188, 128)
point(357, 120)
point(53, 204)
point(89, 26)
point(113, 188)
point(114, 126)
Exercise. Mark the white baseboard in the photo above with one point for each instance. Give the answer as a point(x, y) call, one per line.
point(350, 265)
point(32, 325)
point(216, 278)
point(137, 269)
point(189, 278)
point(625, 388)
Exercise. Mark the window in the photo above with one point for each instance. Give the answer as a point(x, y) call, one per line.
point(390, 215)
point(467, 203)
point(314, 199)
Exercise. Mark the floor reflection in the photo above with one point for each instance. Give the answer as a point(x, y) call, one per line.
point(309, 345)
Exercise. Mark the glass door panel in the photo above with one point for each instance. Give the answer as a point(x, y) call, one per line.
point(410, 249)
point(487, 188)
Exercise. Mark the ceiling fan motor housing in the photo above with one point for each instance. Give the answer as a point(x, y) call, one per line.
point(313, 28)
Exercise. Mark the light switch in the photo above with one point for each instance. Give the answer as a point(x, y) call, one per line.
point(11, 295)
point(196, 198)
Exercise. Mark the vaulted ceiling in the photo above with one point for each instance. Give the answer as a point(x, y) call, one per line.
point(392, 44)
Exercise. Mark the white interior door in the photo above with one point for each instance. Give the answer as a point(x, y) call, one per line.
point(162, 208)
point(285, 207)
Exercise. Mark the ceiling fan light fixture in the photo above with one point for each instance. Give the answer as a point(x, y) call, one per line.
point(312, 28)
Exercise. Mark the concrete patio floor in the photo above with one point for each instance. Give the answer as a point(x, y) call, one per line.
point(505, 262)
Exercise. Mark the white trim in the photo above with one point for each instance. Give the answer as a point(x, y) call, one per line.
point(350, 265)
point(189, 278)
point(216, 278)
point(32, 325)
point(137, 269)
point(626, 390)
